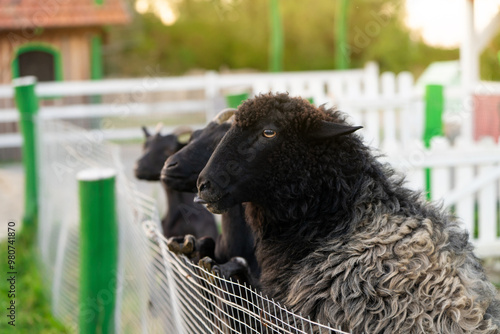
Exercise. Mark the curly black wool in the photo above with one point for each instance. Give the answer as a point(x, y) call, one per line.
point(339, 237)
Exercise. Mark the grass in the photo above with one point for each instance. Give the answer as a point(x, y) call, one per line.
point(32, 306)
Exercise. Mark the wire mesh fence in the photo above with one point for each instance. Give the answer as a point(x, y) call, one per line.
point(156, 290)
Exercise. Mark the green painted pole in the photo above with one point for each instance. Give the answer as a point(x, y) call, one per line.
point(27, 104)
point(342, 50)
point(276, 40)
point(96, 72)
point(98, 251)
point(96, 68)
point(434, 106)
point(234, 100)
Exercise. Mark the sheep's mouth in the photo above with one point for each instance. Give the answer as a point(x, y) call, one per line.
point(180, 182)
point(147, 176)
point(175, 177)
point(218, 205)
point(169, 179)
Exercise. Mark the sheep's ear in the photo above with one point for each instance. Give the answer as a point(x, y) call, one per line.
point(331, 130)
point(146, 132)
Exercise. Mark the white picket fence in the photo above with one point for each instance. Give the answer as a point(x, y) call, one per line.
point(389, 106)
point(464, 178)
point(381, 103)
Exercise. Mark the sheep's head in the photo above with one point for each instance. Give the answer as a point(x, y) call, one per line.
point(181, 170)
point(275, 139)
point(156, 149)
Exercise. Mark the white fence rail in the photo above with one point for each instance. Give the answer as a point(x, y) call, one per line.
point(386, 105)
point(389, 106)
point(464, 178)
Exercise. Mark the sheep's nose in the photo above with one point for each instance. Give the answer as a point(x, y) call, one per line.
point(199, 200)
point(171, 164)
point(203, 188)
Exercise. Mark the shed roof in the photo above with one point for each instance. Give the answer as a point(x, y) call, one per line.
point(19, 14)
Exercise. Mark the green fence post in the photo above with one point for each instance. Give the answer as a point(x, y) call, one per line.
point(276, 39)
point(434, 106)
point(234, 100)
point(98, 251)
point(342, 49)
point(27, 104)
point(96, 70)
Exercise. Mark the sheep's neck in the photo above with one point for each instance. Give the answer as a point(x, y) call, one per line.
point(326, 210)
point(236, 239)
point(304, 221)
point(174, 201)
point(234, 229)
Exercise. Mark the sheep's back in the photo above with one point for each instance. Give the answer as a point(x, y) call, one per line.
point(396, 274)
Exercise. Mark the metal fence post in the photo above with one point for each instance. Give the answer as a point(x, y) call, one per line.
point(27, 104)
point(434, 106)
point(342, 45)
point(276, 37)
point(98, 251)
point(211, 90)
point(234, 100)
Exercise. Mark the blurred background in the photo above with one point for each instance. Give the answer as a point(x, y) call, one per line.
point(187, 36)
point(421, 76)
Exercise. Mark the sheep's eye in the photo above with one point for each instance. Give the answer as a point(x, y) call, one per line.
point(269, 133)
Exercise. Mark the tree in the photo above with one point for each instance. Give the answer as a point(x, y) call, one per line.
point(234, 34)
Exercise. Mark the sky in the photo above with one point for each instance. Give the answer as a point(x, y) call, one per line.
point(440, 21)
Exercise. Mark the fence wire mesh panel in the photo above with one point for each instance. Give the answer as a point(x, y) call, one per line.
point(194, 300)
point(64, 150)
point(156, 290)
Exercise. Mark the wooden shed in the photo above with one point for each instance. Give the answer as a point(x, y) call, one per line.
point(55, 39)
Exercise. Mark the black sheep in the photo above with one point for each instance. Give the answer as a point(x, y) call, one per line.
point(181, 171)
point(183, 215)
point(339, 237)
point(233, 256)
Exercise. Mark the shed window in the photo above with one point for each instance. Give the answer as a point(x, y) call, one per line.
point(38, 63)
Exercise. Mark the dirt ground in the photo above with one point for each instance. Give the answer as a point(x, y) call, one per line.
point(12, 202)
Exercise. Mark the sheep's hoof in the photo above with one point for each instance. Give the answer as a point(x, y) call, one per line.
point(236, 269)
point(189, 245)
point(207, 263)
point(182, 245)
point(174, 244)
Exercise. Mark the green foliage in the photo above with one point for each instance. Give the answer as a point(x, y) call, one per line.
point(490, 60)
point(206, 36)
point(32, 307)
point(218, 34)
point(378, 33)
